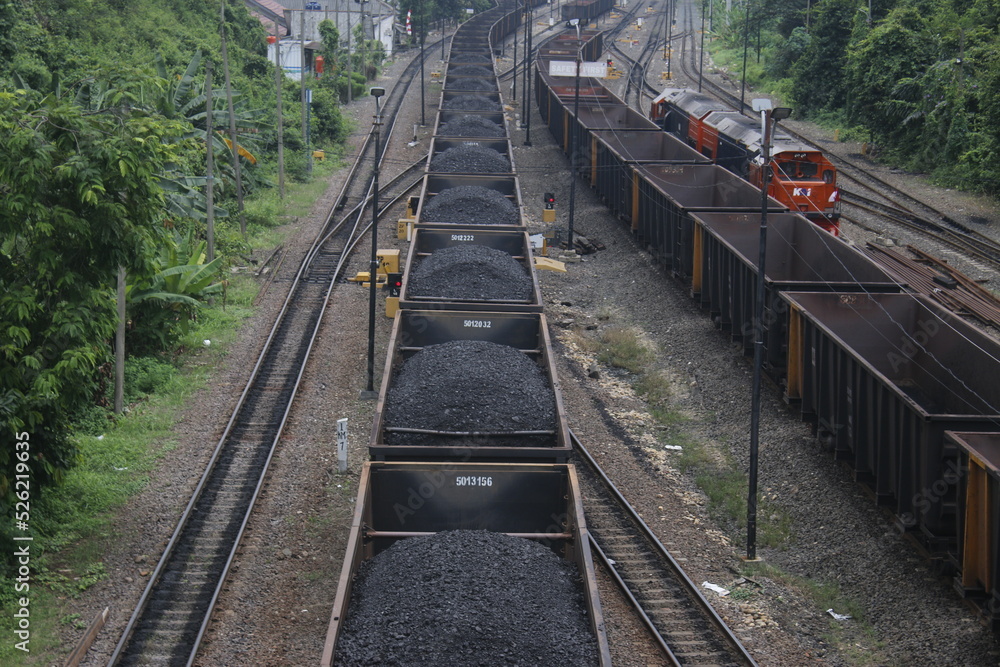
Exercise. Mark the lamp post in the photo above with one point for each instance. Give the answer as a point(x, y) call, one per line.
point(423, 120)
point(524, 62)
point(514, 90)
point(768, 116)
point(701, 51)
point(369, 393)
point(746, 46)
point(574, 135)
point(527, 80)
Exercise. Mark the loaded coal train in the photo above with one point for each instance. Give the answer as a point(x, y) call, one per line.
point(902, 390)
point(468, 543)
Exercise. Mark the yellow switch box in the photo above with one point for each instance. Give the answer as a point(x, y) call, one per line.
point(388, 261)
point(391, 306)
point(548, 215)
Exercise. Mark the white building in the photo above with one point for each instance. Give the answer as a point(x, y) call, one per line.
point(302, 19)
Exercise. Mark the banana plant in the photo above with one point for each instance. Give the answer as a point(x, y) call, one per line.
point(182, 280)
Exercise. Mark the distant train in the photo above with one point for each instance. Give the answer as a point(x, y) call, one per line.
point(804, 180)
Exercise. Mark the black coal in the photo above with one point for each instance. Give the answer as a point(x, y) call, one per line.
point(470, 272)
point(472, 103)
point(471, 126)
point(470, 58)
point(471, 70)
point(470, 205)
point(470, 386)
point(467, 598)
point(470, 159)
point(482, 85)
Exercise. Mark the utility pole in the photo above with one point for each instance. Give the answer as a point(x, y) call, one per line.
point(278, 78)
point(120, 345)
point(304, 92)
point(209, 167)
point(232, 126)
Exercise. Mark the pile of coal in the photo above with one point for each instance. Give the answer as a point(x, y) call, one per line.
point(472, 103)
point(471, 126)
point(483, 85)
point(467, 597)
point(470, 388)
point(471, 70)
point(471, 58)
point(470, 159)
point(470, 205)
point(470, 273)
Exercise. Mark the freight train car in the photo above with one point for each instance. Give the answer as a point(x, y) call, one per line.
point(803, 179)
point(902, 391)
point(470, 438)
point(467, 563)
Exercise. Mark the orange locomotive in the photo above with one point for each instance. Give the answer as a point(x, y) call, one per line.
point(804, 180)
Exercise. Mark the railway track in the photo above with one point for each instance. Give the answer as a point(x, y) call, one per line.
point(872, 193)
point(682, 622)
point(174, 611)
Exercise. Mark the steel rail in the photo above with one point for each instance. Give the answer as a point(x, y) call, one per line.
point(904, 203)
point(636, 605)
point(690, 589)
point(223, 446)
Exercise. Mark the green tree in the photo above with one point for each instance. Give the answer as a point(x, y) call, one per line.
point(80, 199)
point(818, 76)
point(894, 50)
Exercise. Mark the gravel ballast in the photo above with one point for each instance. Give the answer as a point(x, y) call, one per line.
point(472, 103)
point(472, 126)
point(470, 205)
point(470, 272)
point(470, 386)
point(470, 598)
point(470, 159)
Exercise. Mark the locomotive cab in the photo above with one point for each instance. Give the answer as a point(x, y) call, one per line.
point(807, 182)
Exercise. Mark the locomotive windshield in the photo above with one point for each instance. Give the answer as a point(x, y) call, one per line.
point(798, 170)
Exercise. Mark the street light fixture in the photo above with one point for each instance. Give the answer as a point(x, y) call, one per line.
point(575, 134)
point(527, 77)
point(369, 393)
point(768, 117)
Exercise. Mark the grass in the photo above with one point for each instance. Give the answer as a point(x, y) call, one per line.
point(716, 474)
point(621, 347)
point(72, 522)
point(856, 640)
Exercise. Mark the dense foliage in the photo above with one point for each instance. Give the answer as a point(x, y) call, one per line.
point(80, 199)
point(918, 77)
point(103, 129)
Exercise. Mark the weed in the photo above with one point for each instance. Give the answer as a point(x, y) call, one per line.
point(654, 388)
point(622, 348)
point(72, 586)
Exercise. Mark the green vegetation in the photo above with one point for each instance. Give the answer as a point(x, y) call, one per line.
point(715, 472)
point(856, 640)
point(918, 80)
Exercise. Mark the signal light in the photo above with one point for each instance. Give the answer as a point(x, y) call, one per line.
point(549, 200)
point(394, 283)
point(611, 63)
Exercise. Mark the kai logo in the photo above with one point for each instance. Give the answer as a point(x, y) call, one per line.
point(802, 192)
